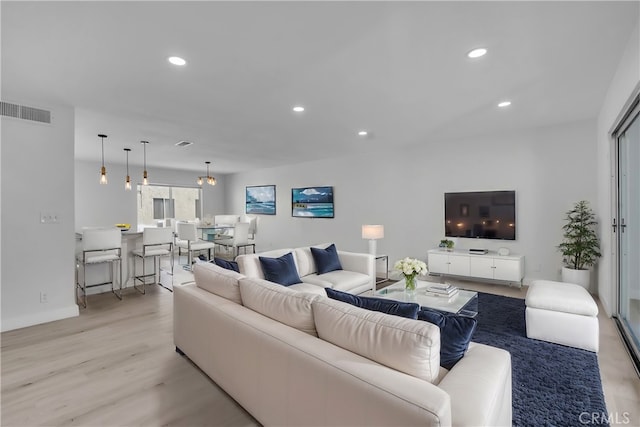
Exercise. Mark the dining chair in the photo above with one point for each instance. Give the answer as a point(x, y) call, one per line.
point(188, 239)
point(253, 229)
point(99, 246)
point(239, 240)
point(156, 243)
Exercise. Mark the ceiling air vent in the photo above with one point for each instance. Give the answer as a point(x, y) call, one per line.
point(23, 112)
point(183, 144)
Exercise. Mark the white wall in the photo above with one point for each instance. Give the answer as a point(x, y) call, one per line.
point(403, 189)
point(625, 84)
point(100, 205)
point(37, 177)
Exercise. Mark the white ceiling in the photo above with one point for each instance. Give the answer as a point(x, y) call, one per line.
point(398, 69)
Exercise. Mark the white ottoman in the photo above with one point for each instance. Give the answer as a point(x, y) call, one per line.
point(562, 313)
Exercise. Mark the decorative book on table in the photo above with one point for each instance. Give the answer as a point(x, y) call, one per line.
point(443, 290)
point(448, 297)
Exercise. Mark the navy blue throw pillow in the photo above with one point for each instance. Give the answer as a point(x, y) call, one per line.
point(455, 334)
point(229, 265)
point(326, 259)
point(402, 309)
point(280, 270)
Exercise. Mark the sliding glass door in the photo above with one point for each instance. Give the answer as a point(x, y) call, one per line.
point(627, 228)
point(159, 202)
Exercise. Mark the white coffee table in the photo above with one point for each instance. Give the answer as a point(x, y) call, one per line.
point(464, 302)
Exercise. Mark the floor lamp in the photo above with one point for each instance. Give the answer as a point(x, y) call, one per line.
point(373, 233)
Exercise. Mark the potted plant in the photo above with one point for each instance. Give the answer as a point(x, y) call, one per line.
point(580, 248)
point(446, 244)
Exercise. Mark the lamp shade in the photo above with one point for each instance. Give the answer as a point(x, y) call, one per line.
point(372, 232)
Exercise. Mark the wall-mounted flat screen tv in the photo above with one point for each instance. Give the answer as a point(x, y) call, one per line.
point(312, 202)
point(480, 214)
point(261, 199)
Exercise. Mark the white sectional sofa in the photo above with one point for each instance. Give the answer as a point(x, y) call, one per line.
point(357, 275)
point(292, 358)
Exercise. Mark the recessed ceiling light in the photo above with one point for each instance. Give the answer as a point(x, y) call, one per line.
point(477, 53)
point(363, 133)
point(504, 104)
point(176, 60)
point(298, 109)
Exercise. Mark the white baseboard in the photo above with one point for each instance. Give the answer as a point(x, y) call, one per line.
point(40, 317)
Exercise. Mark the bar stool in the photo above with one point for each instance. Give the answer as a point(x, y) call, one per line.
point(156, 243)
point(99, 246)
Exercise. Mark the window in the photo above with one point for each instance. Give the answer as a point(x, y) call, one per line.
point(164, 208)
point(158, 202)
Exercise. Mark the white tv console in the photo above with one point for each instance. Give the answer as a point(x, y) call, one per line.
point(491, 266)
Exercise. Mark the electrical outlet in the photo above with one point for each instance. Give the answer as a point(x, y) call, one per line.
point(48, 218)
point(43, 297)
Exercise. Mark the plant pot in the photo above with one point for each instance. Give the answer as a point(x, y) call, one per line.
point(579, 277)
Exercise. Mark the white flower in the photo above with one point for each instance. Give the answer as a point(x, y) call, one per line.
point(410, 266)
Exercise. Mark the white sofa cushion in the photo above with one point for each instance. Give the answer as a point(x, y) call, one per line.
point(304, 260)
point(407, 345)
point(341, 280)
point(218, 280)
point(560, 296)
point(291, 307)
point(309, 288)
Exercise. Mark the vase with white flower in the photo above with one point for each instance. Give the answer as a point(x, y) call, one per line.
point(410, 269)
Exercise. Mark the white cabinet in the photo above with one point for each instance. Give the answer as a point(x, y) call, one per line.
point(481, 267)
point(509, 269)
point(489, 266)
point(496, 268)
point(448, 263)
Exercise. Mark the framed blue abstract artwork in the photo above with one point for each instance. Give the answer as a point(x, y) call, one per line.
point(261, 199)
point(312, 202)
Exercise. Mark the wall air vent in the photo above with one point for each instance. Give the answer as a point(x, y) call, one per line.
point(23, 112)
point(183, 144)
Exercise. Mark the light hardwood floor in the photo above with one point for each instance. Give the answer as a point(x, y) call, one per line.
point(115, 364)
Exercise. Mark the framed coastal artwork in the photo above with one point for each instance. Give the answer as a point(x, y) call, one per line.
point(312, 202)
point(260, 199)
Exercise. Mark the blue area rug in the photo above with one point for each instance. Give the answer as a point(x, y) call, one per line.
point(553, 385)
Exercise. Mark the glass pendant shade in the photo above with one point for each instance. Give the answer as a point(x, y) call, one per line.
point(210, 180)
point(103, 170)
point(145, 180)
point(127, 181)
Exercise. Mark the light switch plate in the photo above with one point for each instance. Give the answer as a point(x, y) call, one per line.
point(49, 218)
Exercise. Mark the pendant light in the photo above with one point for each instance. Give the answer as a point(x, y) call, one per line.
point(210, 180)
point(200, 180)
point(103, 170)
point(127, 182)
point(144, 173)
